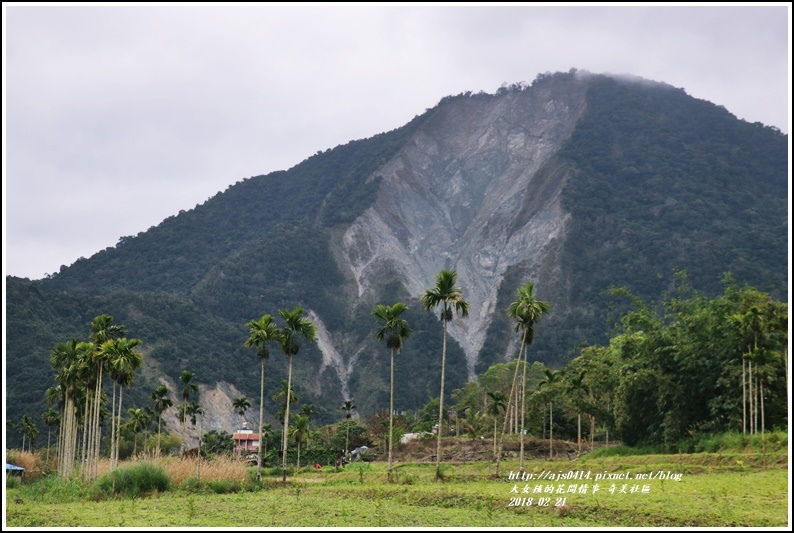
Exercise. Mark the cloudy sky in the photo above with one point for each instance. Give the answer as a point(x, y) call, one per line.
point(118, 116)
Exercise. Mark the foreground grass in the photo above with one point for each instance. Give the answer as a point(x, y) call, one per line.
point(715, 490)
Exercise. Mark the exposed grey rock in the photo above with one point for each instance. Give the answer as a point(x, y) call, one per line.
point(464, 194)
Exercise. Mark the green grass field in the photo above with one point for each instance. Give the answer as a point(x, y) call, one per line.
point(702, 490)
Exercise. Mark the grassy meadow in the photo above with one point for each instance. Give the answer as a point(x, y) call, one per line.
point(744, 488)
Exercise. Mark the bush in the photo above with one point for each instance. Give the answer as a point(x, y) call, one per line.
point(134, 481)
point(224, 486)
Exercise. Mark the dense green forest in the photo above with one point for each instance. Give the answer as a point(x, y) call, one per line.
point(656, 182)
point(669, 378)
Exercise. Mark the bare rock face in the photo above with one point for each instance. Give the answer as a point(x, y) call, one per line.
point(466, 194)
point(219, 414)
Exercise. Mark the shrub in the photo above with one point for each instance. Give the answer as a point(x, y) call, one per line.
point(224, 486)
point(133, 481)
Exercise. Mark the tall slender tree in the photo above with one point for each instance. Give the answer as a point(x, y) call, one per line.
point(548, 382)
point(296, 326)
point(139, 420)
point(347, 407)
point(450, 297)
point(526, 310)
point(66, 358)
point(308, 410)
point(50, 418)
point(196, 413)
point(188, 388)
point(28, 428)
point(299, 432)
point(123, 361)
point(162, 401)
point(262, 332)
point(281, 396)
point(394, 329)
point(103, 330)
point(498, 402)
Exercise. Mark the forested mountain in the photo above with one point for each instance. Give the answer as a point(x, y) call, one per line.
point(577, 182)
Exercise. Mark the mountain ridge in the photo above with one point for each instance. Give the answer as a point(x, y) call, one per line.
point(576, 182)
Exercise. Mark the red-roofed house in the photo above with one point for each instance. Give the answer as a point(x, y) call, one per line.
point(245, 440)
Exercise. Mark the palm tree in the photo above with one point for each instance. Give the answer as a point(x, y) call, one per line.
point(28, 428)
point(240, 406)
point(473, 423)
point(526, 310)
point(196, 412)
point(188, 388)
point(50, 418)
point(296, 326)
point(450, 297)
point(299, 432)
point(139, 419)
point(262, 333)
point(552, 377)
point(347, 407)
point(281, 395)
point(498, 403)
point(308, 410)
point(161, 403)
point(66, 357)
point(123, 361)
point(103, 330)
point(394, 329)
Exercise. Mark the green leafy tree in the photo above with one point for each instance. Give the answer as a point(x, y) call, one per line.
point(450, 297)
point(217, 443)
point(262, 332)
point(264, 432)
point(394, 330)
point(296, 326)
point(474, 424)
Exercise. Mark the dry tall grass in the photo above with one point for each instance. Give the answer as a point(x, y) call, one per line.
point(178, 469)
point(220, 468)
point(29, 461)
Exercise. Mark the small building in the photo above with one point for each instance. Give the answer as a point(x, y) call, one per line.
point(14, 470)
point(245, 440)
